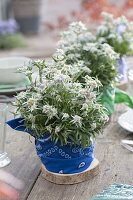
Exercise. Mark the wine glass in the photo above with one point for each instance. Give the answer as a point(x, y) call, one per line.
point(4, 160)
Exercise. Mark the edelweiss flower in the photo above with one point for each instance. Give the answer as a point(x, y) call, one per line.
point(31, 118)
point(84, 106)
point(77, 120)
point(108, 49)
point(50, 111)
point(61, 78)
point(49, 128)
point(104, 118)
point(60, 54)
point(88, 95)
point(58, 98)
point(92, 83)
point(33, 107)
point(31, 101)
point(90, 47)
point(77, 27)
point(43, 85)
point(21, 95)
point(39, 62)
point(87, 37)
point(102, 29)
point(22, 69)
point(97, 107)
point(93, 126)
point(57, 129)
point(65, 116)
point(86, 69)
point(107, 16)
point(28, 72)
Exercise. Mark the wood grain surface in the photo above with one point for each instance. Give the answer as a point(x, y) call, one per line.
point(69, 179)
point(115, 167)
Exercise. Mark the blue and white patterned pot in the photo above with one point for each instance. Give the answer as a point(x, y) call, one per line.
point(67, 159)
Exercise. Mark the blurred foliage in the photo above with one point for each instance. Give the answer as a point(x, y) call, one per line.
point(11, 41)
point(117, 32)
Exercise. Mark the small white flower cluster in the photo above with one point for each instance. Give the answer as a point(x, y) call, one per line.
point(75, 37)
point(65, 116)
point(50, 111)
point(77, 27)
point(61, 78)
point(59, 55)
point(107, 16)
point(77, 120)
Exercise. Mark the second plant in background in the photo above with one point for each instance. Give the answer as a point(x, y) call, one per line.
point(80, 47)
point(83, 54)
point(118, 33)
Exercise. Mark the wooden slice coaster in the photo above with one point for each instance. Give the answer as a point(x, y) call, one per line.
point(65, 179)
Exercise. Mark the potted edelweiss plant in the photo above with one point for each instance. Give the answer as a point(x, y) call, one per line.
point(117, 32)
point(80, 49)
point(9, 35)
point(62, 115)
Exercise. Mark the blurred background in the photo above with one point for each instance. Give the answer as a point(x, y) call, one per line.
point(31, 27)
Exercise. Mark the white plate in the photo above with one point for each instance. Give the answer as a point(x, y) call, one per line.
point(9, 67)
point(13, 89)
point(126, 120)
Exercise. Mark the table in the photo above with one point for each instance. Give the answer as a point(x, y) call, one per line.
point(115, 165)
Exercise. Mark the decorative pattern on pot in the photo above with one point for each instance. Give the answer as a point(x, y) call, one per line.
point(67, 159)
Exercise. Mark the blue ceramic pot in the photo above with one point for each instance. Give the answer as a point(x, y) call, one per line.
point(67, 159)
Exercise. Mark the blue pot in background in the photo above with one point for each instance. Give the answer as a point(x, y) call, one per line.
point(122, 69)
point(67, 159)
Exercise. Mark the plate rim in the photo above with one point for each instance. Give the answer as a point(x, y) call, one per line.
point(17, 87)
point(121, 124)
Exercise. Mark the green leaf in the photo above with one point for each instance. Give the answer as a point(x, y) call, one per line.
point(123, 97)
point(107, 98)
point(84, 140)
point(10, 41)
